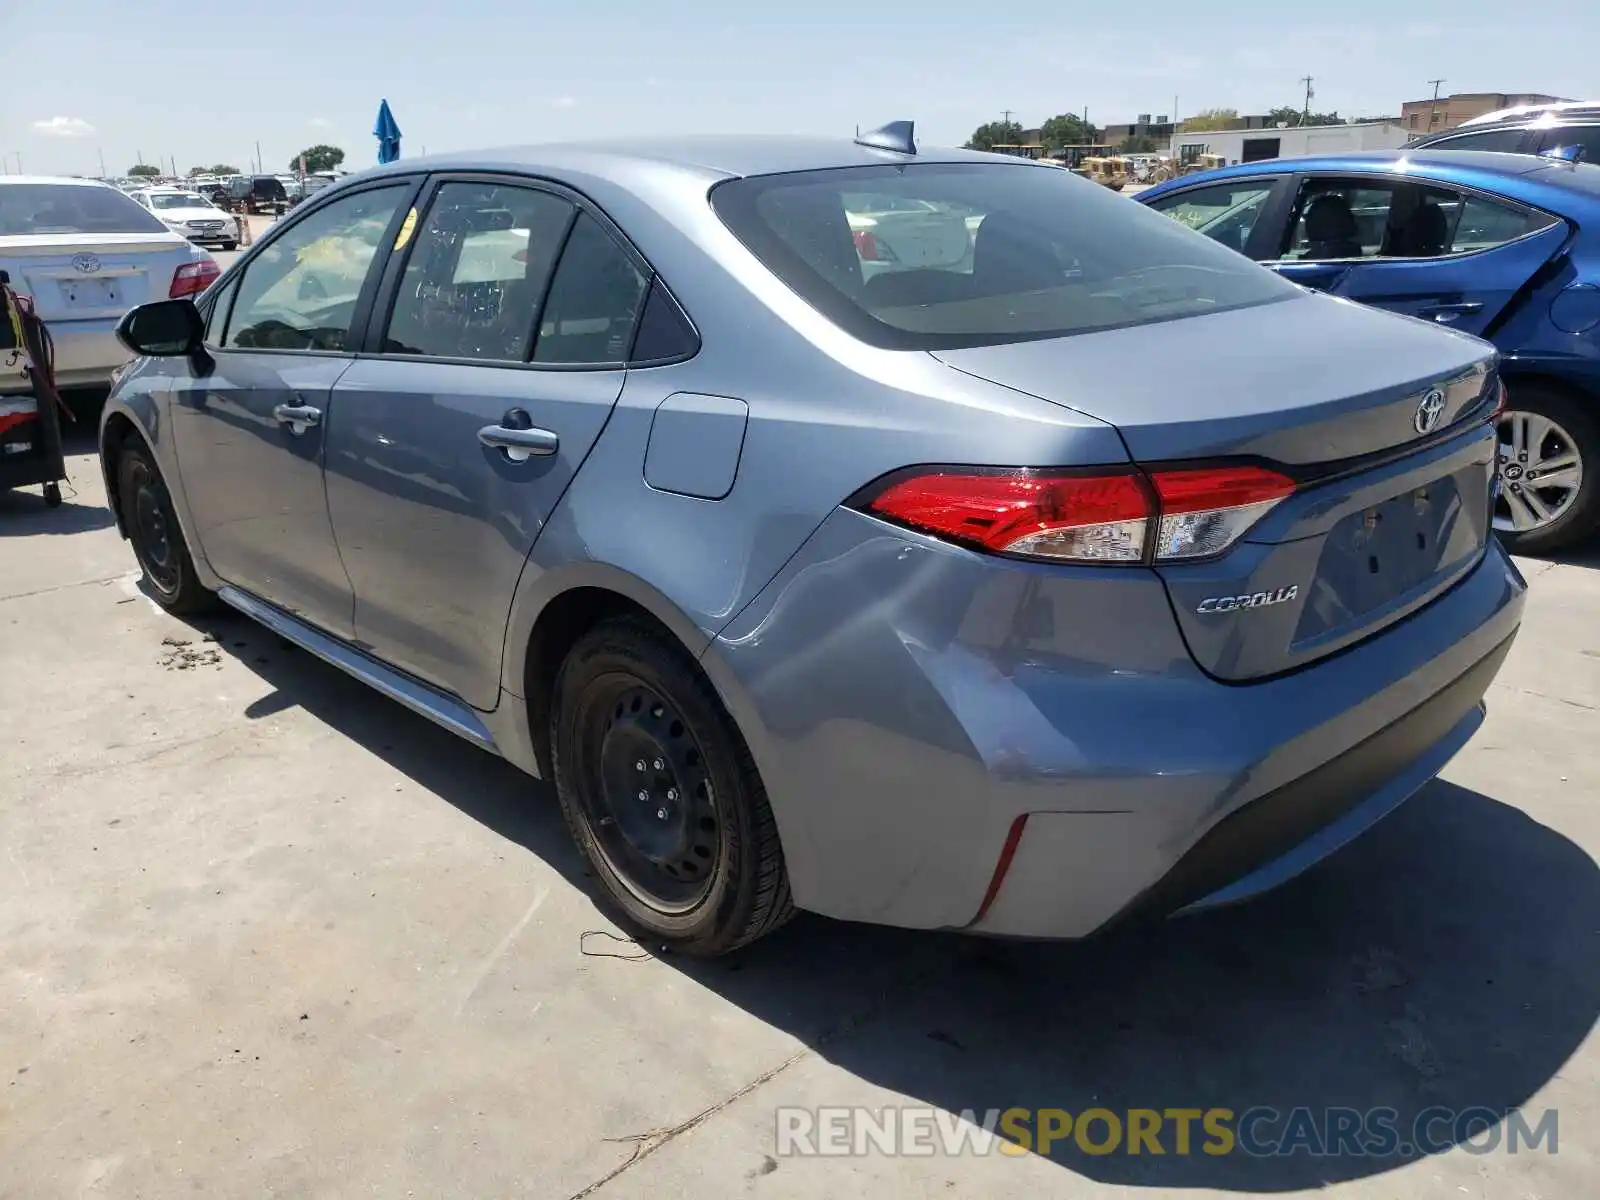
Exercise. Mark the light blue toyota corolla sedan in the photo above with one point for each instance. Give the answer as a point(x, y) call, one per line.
point(913, 537)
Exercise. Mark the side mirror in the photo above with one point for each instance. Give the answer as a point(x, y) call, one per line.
point(163, 329)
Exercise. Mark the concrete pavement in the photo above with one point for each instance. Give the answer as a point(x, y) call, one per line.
point(264, 933)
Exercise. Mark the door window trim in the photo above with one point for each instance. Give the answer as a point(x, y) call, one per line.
point(382, 310)
point(369, 288)
point(1466, 190)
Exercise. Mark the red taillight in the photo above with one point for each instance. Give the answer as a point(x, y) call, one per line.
point(1205, 510)
point(866, 245)
point(193, 278)
point(1104, 518)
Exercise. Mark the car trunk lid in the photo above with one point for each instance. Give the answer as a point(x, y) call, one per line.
point(88, 277)
point(1381, 421)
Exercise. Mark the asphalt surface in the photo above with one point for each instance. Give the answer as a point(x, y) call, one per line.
point(265, 933)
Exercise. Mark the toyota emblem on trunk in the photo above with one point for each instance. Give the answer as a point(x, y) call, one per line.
point(1429, 411)
point(85, 264)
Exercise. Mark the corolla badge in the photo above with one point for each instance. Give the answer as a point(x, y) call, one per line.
point(1429, 411)
point(1223, 604)
point(85, 264)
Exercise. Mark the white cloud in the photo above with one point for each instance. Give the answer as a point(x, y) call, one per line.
point(565, 102)
point(320, 122)
point(64, 127)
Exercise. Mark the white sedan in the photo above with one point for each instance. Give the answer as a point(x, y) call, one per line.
point(192, 215)
point(86, 254)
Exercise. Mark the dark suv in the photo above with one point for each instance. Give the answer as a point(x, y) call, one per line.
point(258, 194)
point(1526, 131)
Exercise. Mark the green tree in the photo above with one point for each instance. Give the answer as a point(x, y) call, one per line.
point(1140, 143)
point(1291, 116)
point(318, 158)
point(1065, 129)
point(219, 169)
point(1211, 118)
point(144, 171)
point(995, 133)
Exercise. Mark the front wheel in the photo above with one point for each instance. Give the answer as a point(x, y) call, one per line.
point(157, 538)
point(1549, 455)
point(661, 795)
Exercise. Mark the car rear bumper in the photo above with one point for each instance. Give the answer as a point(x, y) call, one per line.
point(922, 716)
point(86, 353)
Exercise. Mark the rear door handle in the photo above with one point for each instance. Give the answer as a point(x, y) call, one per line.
point(1445, 313)
point(518, 445)
point(298, 417)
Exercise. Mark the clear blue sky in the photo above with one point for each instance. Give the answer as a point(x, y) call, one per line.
point(132, 76)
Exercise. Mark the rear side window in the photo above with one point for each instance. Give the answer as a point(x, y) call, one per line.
point(594, 300)
point(1586, 138)
point(39, 208)
point(941, 256)
point(1468, 223)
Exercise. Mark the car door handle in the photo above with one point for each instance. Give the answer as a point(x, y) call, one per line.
point(1445, 313)
point(519, 445)
point(298, 417)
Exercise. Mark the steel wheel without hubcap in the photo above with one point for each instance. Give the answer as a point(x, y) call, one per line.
point(152, 532)
point(649, 802)
point(1541, 472)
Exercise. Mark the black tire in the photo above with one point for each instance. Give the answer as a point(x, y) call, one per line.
point(1577, 419)
point(719, 822)
point(157, 537)
point(230, 245)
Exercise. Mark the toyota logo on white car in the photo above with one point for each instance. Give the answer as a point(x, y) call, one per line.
point(85, 264)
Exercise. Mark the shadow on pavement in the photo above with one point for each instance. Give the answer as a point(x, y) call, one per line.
point(1446, 960)
point(23, 512)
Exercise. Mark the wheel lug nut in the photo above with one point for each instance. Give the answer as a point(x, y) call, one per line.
point(644, 796)
point(659, 765)
point(672, 793)
point(662, 813)
point(639, 766)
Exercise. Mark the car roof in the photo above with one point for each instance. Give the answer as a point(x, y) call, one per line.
point(1521, 112)
point(724, 156)
point(1518, 175)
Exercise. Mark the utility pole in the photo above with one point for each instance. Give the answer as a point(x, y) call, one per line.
point(1433, 112)
point(1305, 113)
point(1005, 116)
point(102, 153)
point(259, 167)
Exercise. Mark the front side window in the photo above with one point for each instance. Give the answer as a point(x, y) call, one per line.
point(476, 272)
point(990, 253)
point(1585, 138)
point(1224, 212)
point(300, 292)
point(43, 208)
point(594, 300)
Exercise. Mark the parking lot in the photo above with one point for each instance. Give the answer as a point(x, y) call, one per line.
point(265, 933)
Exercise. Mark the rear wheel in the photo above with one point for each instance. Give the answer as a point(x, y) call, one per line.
point(660, 793)
point(1549, 457)
point(156, 536)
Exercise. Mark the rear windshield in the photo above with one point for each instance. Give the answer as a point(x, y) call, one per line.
point(944, 255)
point(31, 208)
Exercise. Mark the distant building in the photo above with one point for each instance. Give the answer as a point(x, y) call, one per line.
point(1160, 129)
point(1258, 142)
point(1433, 116)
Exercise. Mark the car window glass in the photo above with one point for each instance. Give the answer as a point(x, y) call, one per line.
point(476, 272)
point(1335, 220)
point(217, 311)
point(41, 208)
point(1585, 137)
point(1463, 224)
point(300, 291)
point(664, 331)
point(989, 253)
point(1224, 212)
point(1507, 140)
point(593, 302)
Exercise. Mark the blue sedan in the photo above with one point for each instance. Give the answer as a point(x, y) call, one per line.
point(1504, 246)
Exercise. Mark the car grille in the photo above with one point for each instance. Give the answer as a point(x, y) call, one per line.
point(205, 226)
